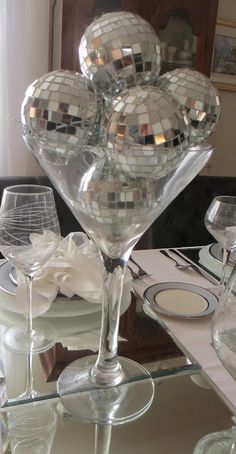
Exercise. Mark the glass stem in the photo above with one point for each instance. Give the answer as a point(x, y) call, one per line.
point(102, 438)
point(226, 256)
point(29, 318)
point(29, 389)
point(107, 369)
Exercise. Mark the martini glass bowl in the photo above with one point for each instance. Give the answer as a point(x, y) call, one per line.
point(114, 208)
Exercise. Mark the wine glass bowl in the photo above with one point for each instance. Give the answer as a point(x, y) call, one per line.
point(223, 334)
point(220, 221)
point(223, 327)
point(32, 429)
point(29, 235)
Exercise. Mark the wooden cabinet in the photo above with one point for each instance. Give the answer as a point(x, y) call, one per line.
point(186, 28)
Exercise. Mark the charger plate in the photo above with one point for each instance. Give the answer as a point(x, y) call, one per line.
point(180, 300)
point(61, 307)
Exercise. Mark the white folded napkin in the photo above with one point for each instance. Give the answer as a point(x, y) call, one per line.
point(75, 269)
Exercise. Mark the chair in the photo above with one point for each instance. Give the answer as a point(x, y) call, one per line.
point(182, 223)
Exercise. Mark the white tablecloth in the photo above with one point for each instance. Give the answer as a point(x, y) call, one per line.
point(192, 336)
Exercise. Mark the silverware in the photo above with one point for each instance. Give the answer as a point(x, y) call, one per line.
point(140, 273)
point(178, 265)
point(196, 268)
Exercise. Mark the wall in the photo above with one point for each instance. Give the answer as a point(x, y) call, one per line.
point(27, 49)
point(223, 163)
point(35, 58)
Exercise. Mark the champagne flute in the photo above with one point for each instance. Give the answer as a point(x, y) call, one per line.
point(27, 211)
point(220, 221)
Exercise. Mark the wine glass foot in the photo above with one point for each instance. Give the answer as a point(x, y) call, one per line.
point(217, 443)
point(42, 338)
point(114, 405)
point(28, 395)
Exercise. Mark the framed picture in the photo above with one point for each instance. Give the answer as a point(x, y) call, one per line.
point(223, 71)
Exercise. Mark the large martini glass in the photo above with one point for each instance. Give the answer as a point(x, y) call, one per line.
point(115, 209)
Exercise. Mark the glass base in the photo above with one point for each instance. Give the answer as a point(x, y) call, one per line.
point(42, 338)
point(114, 405)
point(28, 395)
point(217, 443)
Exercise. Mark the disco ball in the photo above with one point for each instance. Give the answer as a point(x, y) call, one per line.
point(198, 96)
point(145, 131)
point(119, 50)
point(60, 106)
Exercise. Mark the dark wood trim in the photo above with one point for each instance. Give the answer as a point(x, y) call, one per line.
point(75, 17)
point(77, 14)
point(51, 33)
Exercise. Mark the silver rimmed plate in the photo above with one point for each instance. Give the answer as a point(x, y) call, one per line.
point(180, 300)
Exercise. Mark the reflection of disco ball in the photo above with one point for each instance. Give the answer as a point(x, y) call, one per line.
point(119, 48)
point(115, 207)
point(198, 96)
point(60, 106)
point(145, 131)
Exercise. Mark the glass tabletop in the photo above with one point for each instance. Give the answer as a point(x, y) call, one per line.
point(181, 414)
point(177, 419)
point(141, 339)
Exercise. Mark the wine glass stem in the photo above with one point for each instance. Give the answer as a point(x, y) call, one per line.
point(29, 324)
point(102, 438)
point(226, 256)
point(29, 389)
point(107, 369)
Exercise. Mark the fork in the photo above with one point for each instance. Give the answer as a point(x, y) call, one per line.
point(140, 273)
point(178, 265)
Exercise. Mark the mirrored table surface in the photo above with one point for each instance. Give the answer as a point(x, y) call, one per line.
point(187, 405)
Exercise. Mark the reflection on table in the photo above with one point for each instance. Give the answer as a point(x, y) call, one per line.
point(170, 425)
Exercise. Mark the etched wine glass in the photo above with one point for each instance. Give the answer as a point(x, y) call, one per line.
point(32, 428)
point(28, 212)
point(220, 221)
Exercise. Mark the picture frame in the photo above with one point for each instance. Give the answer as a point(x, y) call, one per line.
point(223, 71)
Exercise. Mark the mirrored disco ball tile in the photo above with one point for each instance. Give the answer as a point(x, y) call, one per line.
point(136, 137)
point(59, 105)
point(198, 96)
point(128, 51)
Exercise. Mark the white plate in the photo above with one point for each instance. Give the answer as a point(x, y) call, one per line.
point(180, 300)
point(61, 307)
point(64, 326)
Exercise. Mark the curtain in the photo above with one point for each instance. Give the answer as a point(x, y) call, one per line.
point(24, 28)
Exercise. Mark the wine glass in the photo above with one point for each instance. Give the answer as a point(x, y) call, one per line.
point(223, 333)
point(28, 212)
point(220, 221)
point(114, 208)
point(32, 428)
